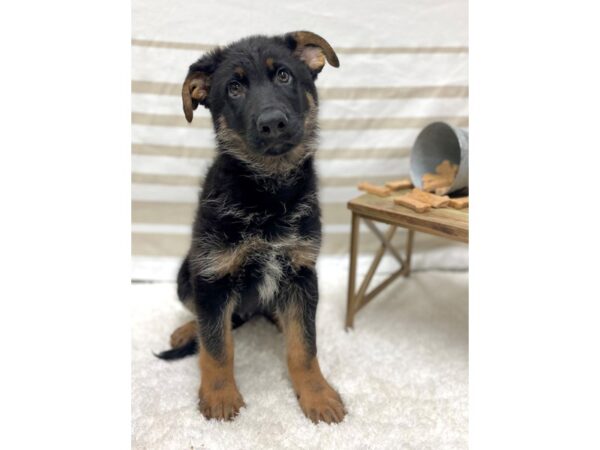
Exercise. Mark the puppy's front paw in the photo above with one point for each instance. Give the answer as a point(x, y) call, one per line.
point(221, 401)
point(321, 403)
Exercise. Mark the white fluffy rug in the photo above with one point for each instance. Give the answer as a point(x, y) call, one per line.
point(402, 372)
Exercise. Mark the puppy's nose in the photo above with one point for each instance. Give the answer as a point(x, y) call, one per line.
point(272, 123)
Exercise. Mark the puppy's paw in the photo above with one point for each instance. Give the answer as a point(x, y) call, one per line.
point(221, 401)
point(184, 334)
point(322, 404)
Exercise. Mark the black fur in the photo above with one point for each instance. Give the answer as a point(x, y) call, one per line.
point(187, 349)
point(260, 194)
point(257, 230)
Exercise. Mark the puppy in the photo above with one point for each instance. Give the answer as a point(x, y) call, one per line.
point(257, 231)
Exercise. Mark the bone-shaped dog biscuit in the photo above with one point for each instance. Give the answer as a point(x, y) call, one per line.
point(447, 168)
point(431, 182)
point(442, 179)
point(459, 203)
point(373, 189)
point(431, 199)
point(405, 183)
point(412, 203)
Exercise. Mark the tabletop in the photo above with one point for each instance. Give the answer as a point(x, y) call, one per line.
point(445, 222)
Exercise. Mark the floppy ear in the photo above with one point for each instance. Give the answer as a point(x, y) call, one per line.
point(312, 49)
point(196, 86)
point(194, 92)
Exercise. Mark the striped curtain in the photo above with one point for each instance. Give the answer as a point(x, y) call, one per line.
point(403, 65)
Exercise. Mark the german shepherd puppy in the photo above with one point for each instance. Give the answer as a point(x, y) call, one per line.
point(257, 231)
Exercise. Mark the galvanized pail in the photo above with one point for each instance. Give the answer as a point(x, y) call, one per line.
point(437, 142)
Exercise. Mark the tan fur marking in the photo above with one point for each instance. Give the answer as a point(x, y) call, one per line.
point(227, 261)
point(219, 261)
point(184, 334)
point(240, 72)
point(304, 255)
point(269, 62)
point(318, 400)
point(219, 397)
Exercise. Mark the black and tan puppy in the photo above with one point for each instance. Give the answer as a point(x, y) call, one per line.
point(257, 231)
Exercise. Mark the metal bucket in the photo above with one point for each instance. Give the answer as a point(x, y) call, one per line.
point(437, 142)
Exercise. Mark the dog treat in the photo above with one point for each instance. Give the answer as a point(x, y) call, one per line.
point(459, 202)
point(412, 203)
point(405, 183)
point(431, 182)
point(442, 179)
point(447, 168)
point(373, 189)
point(433, 176)
point(431, 199)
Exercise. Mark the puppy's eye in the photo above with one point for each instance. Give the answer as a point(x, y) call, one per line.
point(283, 76)
point(235, 89)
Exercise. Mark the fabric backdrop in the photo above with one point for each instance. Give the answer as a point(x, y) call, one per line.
point(403, 64)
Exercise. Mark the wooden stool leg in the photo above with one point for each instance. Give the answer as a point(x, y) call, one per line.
point(409, 247)
point(362, 290)
point(354, 235)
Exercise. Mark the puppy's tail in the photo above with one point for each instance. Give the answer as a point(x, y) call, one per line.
point(187, 349)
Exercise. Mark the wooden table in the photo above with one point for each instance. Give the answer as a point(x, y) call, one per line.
point(445, 222)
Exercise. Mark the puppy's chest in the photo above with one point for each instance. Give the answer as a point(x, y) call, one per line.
point(263, 265)
point(278, 237)
point(261, 252)
point(272, 221)
point(266, 263)
point(258, 264)
point(256, 245)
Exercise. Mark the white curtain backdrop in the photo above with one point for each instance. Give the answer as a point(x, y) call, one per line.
point(403, 64)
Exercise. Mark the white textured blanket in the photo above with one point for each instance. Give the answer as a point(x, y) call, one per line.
point(403, 372)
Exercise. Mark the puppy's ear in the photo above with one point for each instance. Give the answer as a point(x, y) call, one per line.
point(312, 49)
point(196, 86)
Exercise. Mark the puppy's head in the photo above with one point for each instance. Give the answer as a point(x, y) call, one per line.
point(262, 97)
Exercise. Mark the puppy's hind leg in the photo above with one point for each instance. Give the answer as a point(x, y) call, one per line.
point(184, 334)
point(184, 286)
point(189, 332)
point(184, 342)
